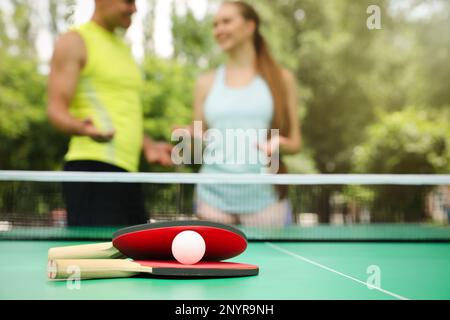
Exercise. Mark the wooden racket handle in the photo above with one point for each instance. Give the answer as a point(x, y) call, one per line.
point(77, 269)
point(104, 250)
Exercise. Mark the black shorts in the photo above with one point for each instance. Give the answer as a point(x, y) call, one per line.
point(102, 204)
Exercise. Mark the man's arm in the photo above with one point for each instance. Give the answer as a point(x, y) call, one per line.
point(67, 62)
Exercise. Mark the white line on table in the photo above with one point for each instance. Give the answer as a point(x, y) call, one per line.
point(297, 256)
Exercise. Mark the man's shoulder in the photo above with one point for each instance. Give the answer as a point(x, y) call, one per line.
point(70, 45)
point(70, 40)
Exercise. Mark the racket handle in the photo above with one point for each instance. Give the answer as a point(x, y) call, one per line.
point(78, 269)
point(103, 250)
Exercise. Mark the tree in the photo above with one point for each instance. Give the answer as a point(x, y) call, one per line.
point(61, 15)
point(4, 39)
point(24, 129)
point(192, 40)
point(149, 28)
point(407, 141)
point(24, 33)
point(434, 56)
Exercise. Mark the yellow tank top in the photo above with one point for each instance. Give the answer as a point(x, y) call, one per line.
point(108, 92)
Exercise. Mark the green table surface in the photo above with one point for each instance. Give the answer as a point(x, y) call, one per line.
point(288, 270)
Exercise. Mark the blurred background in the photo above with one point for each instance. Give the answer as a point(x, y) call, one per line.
point(371, 101)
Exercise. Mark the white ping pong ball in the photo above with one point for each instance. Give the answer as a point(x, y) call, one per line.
point(188, 247)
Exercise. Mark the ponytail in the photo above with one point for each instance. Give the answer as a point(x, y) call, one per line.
point(272, 73)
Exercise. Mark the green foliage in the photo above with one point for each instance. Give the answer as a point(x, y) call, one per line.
point(193, 41)
point(4, 40)
point(300, 163)
point(337, 64)
point(24, 130)
point(25, 35)
point(167, 96)
point(407, 141)
point(435, 57)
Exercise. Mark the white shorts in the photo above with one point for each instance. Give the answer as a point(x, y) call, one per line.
point(275, 215)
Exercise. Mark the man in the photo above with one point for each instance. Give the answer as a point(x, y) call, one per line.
point(94, 96)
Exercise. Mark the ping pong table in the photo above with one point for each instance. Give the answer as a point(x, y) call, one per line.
point(289, 270)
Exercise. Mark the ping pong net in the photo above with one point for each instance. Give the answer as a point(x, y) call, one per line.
point(315, 207)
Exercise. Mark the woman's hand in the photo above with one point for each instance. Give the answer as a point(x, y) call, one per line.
point(158, 152)
point(273, 145)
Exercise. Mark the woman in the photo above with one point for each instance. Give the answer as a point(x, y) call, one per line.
point(250, 91)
